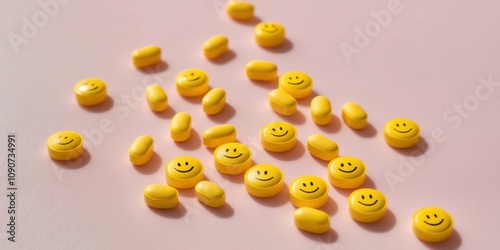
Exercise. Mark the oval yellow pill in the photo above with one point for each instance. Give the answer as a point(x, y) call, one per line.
point(161, 196)
point(141, 150)
point(321, 110)
point(261, 70)
point(322, 147)
point(311, 220)
point(180, 127)
point(282, 102)
point(215, 46)
point(354, 116)
point(146, 56)
point(239, 10)
point(214, 101)
point(218, 135)
point(210, 194)
point(90, 91)
point(157, 98)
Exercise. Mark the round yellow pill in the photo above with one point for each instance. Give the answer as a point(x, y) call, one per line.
point(192, 82)
point(65, 145)
point(278, 136)
point(308, 191)
point(346, 172)
point(232, 158)
point(184, 172)
point(90, 91)
point(401, 133)
point(269, 34)
point(432, 224)
point(367, 205)
point(297, 84)
point(264, 180)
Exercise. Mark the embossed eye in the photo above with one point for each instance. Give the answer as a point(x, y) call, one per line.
point(265, 172)
point(187, 163)
point(303, 184)
point(178, 164)
point(312, 184)
point(258, 172)
point(234, 150)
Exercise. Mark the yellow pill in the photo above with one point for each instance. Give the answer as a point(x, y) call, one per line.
point(311, 220)
point(269, 34)
point(239, 10)
point(161, 196)
point(322, 147)
point(210, 194)
point(354, 116)
point(432, 224)
point(141, 150)
point(346, 172)
point(282, 102)
point(367, 205)
point(146, 56)
point(214, 101)
point(308, 191)
point(180, 127)
point(321, 110)
point(401, 133)
point(184, 172)
point(91, 91)
point(157, 98)
point(218, 135)
point(264, 180)
point(296, 83)
point(261, 70)
point(65, 145)
point(278, 136)
point(215, 46)
point(232, 158)
point(192, 82)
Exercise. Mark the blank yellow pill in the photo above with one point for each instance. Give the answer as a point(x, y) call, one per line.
point(215, 46)
point(146, 56)
point(210, 194)
point(354, 116)
point(282, 102)
point(161, 196)
point(311, 220)
point(214, 101)
point(180, 127)
point(239, 10)
point(157, 98)
point(322, 147)
point(218, 135)
point(261, 70)
point(321, 110)
point(90, 91)
point(141, 150)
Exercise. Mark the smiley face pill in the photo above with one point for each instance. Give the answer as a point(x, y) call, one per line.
point(264, 180)
point(282, 103)
point(210, 194)
point(184, 172)
point(156, 97)
point(261, 70)
point(146, 56)
point(308, 191)
point(192, 82)
point(269, 34)
point(238, 10)
point(367, 205)
point(180, 127)
point(141, 150)
point(214, 101)
point(401, 133)
point(218, 135)
point(354, 116)
point(297, 84)
point(321, 110)
point(322, 147)
point(278, 136)
point(215, 46)
point(232, 158)
point(90, 91)
point(346, 172)
point(161, 196)
point(311, 220)
point(432, 224)
point(65, 145)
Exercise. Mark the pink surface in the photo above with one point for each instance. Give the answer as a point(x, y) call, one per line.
point(430, 60)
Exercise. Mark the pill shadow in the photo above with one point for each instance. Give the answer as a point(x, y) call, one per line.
point(191, 144)
point(332, 127)
point(319, 161)
point(239, 178)
point(225, 211)
point(225, 58)
point(286, 46)
point(252, 22)
point(156, 68)
point(172, 213)
point(291, 155)
point(330, 207)
point(224, 115)
point(368, 132)
point(151, 166)
point(417, 150)
point(277, 200)
point(79, 162)
point(329, 236)
point(385, 224)
point(306, 101)
point(297, 118)
point(166, 114)
point(369, 183)
point(266, 84)
point(101, 107)
point(187, 192)
point(454, 242)
point(194, 99)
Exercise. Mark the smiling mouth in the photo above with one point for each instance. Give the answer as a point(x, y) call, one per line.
point(309, 192)
point(348, 171)
point(94, 88)
point(192, 80)
point(272, 31)
point(268, 179)
point(296, 83)
point(280, 135)
point(65, 143)
point(403, 131)
point(368, 205)
point(233, 157)
point(434, 224)
point(184, 171)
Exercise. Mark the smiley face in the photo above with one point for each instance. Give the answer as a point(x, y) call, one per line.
point(90, 91)
point(401, 133)
point(264, 180)
point(367, 205)
point(278, 136)
point(65, 145)
point(432, 224)
point(192, 82)
point(184, 172)
point(269, 34)
point(297, 84)
point(346, 172)
point(308, 191)
point(232, 158)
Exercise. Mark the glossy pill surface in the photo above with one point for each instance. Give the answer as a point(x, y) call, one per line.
point(141, 150)
point(239, 10)
point(322, 147)
point(278, 136)
point(297, 84)
point(180, 127)
point(232, 158)
point(65, 145)
point(146, 56)
point(282, 102)
point(354, 116)
point(214, 101)
point(321, 110)
point(261, 70)
point(264, 180)
point(156, 97)
point(192, 82)
point(401, 133)
point(215, 46)
point(346, 172)
point(432, 224)
point(311, 220)
point(269, 34)
point(367, 205)
point(210, 194)
point(90, 91)
point(184, 172)
point(308, 191)
point(161, 196)
point(218, 135)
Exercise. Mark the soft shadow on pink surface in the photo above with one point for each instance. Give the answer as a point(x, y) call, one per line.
point(239, 178)
point(297, 118)
point(194, 99)
point(166, 114)
point(266, 84)
point(369, 183)
point(330, 207)
point(76, 163)
point(454, 242)
point(306, 101)
point(286, 46)
point(224, 115)
point(417, 150)
point(368, 132)
point(226, 211)
point(320, 162)
point(291, 155)
point(385, 224)
point(156, 68)
point(332, 127)
point(193, 143)
point(255, 20)
point(151, 167)
point(225, 58)
point(101, 107)
point(329, 237)
point(172, 213)
point(278, 200)
point(188, 192)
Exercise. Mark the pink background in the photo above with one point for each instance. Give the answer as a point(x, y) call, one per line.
point(424, 63)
